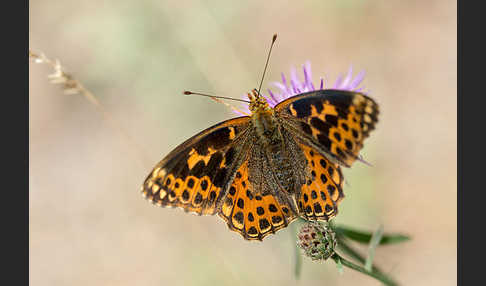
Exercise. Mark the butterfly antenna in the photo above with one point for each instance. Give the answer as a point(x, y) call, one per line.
point(218, 99)
point(266, 63)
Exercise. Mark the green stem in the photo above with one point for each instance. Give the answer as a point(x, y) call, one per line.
point(379, 276)
point(353, 253)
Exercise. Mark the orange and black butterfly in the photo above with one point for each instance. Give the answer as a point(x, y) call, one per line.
point(262, 171)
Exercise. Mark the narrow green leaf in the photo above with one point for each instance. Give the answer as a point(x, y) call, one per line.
point(393, 238)
point(365, 237)
point(374, 242)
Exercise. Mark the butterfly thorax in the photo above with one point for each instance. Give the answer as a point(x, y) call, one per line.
point(264, 121)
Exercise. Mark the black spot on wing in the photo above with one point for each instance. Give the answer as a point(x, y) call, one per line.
point(272, 208)
point(317, 208)
point(264, 224)
point(331, 189)
point(240, 203)
point(220, 177)
point(252, 230)
point(349, 144)
point(190, 183)
point(198, 169)
point(204, 185)
point(345, 126)
point(260, 211)
point(331, 119)
point(320, 125)
point(239, 217)
point(185, 195)
point(323, 163)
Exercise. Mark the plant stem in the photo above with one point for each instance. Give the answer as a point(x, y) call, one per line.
point(379, 276)
point(353, 253)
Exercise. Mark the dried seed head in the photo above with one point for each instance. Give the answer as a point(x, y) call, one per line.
point(317, 240)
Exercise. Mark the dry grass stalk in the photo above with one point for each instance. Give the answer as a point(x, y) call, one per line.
point(72, 86)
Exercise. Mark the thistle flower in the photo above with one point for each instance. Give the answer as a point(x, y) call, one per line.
point(296, 86)
point(317, 240)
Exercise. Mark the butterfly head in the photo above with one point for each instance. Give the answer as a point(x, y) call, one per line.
point(258, 103)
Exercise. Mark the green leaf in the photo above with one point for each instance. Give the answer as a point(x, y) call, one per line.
point(365, 237)
point(374, 242)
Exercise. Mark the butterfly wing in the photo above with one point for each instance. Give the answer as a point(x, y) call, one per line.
point(193, 176)
point(334, 122)
point(251, 213)
point(319, 197)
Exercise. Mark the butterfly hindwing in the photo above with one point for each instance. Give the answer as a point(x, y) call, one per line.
point(320, 195)
point(193, 175)
point(333, 121)
point(250, 213)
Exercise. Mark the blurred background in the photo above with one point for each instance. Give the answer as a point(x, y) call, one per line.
point(89, 224)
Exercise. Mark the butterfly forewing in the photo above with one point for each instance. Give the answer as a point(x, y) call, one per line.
point(193, 176)
point(334, 121)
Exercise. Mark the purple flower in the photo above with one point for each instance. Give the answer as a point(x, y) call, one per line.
point(294, 86)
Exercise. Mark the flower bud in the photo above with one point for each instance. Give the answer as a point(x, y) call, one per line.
point(317, 240)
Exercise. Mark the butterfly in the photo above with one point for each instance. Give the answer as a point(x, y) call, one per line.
point(260, 172)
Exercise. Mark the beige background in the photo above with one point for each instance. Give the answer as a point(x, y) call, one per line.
point(90, 226)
